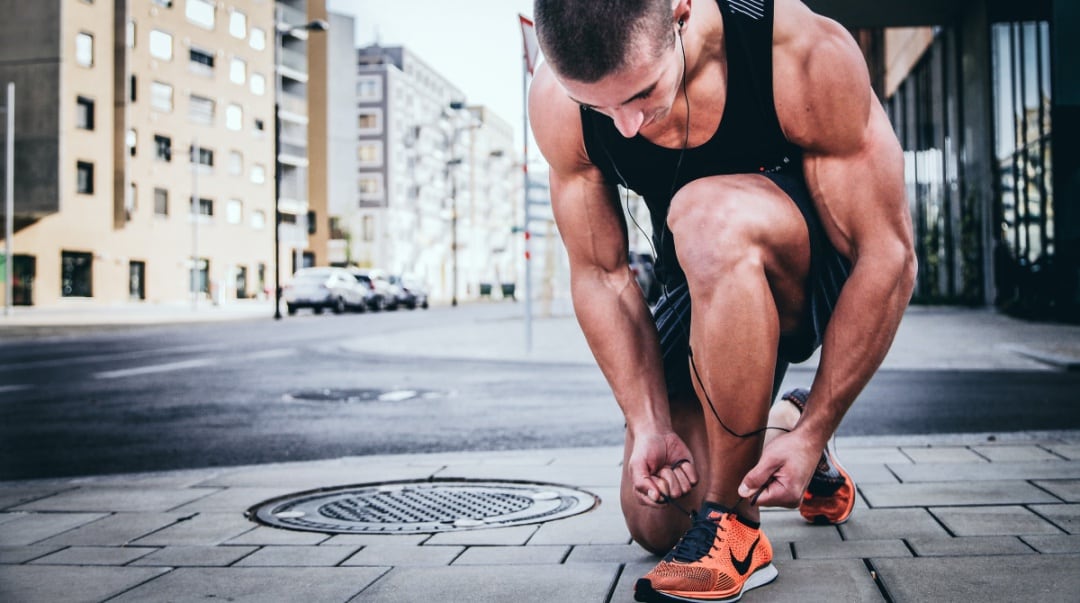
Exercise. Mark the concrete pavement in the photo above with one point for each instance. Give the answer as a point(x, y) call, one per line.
point(988, 517)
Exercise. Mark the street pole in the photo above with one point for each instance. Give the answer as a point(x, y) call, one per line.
point(195, 212)
point(277, 164)
point(453, 236)
point(525, 187)
point(9, 201)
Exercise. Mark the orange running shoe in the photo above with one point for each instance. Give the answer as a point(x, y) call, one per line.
point(830, 496)
point(719, 558)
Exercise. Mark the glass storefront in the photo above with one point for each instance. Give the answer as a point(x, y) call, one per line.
point(1024, 222)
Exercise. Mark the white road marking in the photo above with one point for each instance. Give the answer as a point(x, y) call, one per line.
point(156, 368)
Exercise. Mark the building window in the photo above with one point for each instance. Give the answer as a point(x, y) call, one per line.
point(258, 219)
point(257, 39)
point(311, 222)
point(203, 156)
point(132, 88)
point(131, 201)
point(165, 3)
point(84, 49)
point(236, 163)
point(84, 182)
point(238, 24)
point(161, 202)
point(368, 229)
point(136, 280)
point(234, 117)
point(200, 12)
point(369, 186)
point(260, 125)
point(206, 207)
point(201, 61)
point(160, 45)
point(201, 109)
point(258, 173)
point(258, 84)
point(161, 96)
point(76, 270)
point(367, 89)
point(370, 153)
point(368, 121)
point(84, 113)
point(237, 71)
point(162, 147)
point(131, 140)
point(234, 211)
point(130, 34)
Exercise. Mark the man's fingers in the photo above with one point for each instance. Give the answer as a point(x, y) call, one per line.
point(760, 475)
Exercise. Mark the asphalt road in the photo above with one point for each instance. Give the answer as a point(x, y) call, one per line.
point(98, 401)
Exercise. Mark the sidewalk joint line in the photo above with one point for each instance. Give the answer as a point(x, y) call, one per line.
point(615, 583)
point(1045, 518)
point(878, 582)
point(1037, 486)
point(941, 523)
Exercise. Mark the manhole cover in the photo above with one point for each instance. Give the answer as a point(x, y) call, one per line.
point(349, 396)
point(424, 507)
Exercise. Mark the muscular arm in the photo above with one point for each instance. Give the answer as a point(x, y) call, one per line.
point(607, 301)
point(854, 169)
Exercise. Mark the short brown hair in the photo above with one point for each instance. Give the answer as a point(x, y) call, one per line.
point(587, 40)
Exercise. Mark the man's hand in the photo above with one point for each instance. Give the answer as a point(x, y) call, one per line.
point(661, 466)
point(783, 472)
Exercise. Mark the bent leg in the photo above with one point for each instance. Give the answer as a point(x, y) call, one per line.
point(744, 248)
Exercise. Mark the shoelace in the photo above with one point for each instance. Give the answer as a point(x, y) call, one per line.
point(698, 542)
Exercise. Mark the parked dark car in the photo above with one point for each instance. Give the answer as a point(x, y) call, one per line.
point(321, 289)
point(641, 264)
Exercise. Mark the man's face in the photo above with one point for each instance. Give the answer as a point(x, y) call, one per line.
point(637, 96)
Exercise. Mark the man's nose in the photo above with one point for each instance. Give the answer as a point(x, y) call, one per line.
point(628, 121)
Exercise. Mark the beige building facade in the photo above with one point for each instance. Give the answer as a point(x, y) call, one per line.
point(145, 138)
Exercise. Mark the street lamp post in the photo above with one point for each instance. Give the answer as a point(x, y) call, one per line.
point(280, 30)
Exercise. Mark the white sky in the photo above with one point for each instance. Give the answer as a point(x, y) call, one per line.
point(476, 44)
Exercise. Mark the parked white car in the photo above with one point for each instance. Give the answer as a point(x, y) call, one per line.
point(322, 288)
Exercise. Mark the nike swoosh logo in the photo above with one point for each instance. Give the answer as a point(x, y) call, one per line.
point(744, 566)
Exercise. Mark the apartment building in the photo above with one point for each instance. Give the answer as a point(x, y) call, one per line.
point(145, 165)
point(439, 182)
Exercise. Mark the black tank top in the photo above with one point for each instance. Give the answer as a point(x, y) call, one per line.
point(747, 141)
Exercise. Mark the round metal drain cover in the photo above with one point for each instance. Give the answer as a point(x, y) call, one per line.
point(422, 507)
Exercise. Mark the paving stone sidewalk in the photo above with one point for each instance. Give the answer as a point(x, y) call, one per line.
point(961, 518)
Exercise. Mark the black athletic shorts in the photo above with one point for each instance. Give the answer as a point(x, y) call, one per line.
point(828, 272)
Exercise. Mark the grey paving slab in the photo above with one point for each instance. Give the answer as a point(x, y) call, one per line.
point(29, 528)
point(308, 477)
point(513, 555)
point(256, 584)
point(512, 536)
point(404, 556)
point(1066, 517)
point(203, 529)
point(1069, 451)
point(788, 526)
point(597, 527)
point(631, 573)
point(365, 539)
point(196, 556)
point(981, 578)
point(942, 454)
point(113, 499)
point(851, 549)
point(955, 472)
point(270, 536)
point(1003, 453)
point(953, 493)
point(95, 555)
point(1054, 543)
point(12, 555)
point(13, 494)
point(870, 473)
point(610, 553)
point(969, 546)
point(297, 556)
point(234, 499)
point(800, 581)
point(1067, 490)
point(50, 584)
point(117, 529)
point(870, 455)
point(879, 524)
point(1008, 520)
point(585, 582)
